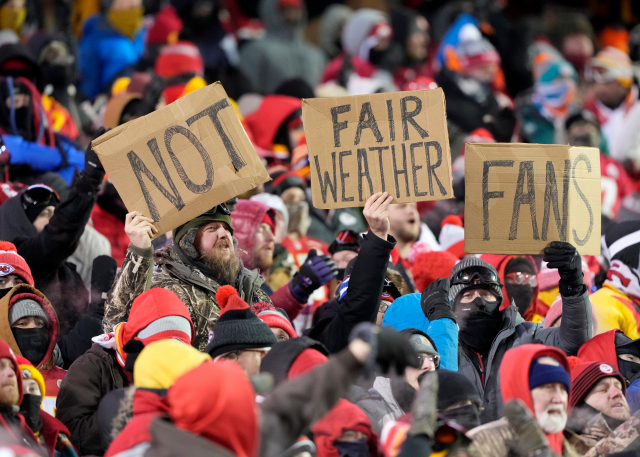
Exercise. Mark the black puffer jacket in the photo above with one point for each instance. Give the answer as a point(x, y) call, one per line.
point(47, 252)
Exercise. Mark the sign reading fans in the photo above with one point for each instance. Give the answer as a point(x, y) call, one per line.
point(180, 161)
point(520, 197)
point(394, 142)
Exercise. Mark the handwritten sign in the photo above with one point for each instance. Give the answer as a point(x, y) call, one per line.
point(180, 161)
point(520, 197)
point(393, 142)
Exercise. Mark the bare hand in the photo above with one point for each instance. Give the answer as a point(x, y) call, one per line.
point(139, 229)
point(377, 215)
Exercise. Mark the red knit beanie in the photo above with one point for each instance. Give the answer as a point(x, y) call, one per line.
point(306, 361)
point(12, 263)
point(165, 28)
point(179, 59)
point(430, 266)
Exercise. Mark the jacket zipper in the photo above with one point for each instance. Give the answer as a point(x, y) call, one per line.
point(481, 367)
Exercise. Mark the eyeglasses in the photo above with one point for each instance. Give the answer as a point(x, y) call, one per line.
point(233, 355)
point(435, 358)
point(523, 278)
point(470, 274)
point(384, 306)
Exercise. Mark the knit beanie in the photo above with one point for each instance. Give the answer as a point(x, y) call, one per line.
point(548, 372)
point(179, 59)
point(454, 387)
point(28, 371)
point(7, 353)
point(613, 65)
point(430, 266)
point(219, 213)
point(421, 342)
point(451, 236)
point(274, 318)
point(162, 362)
point(26, 307)
point(166, 27)
point(586, 375)
point(237, 327)
point(13, 263)
point(468, 262)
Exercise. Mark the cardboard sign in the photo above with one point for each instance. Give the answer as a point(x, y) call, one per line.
point(180, 161)
point(520, 197)
point(394, 142)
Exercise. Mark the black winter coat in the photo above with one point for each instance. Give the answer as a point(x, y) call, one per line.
point(362, 300)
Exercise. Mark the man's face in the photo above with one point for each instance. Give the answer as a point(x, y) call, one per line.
point(630, 358)
point(248, 359)
point(384, 306)
point(10, 281)
point(280, 334)
point(342, 258)
point(411, 374)
point(550, 406)
point(9, 394)
point(484, 73)
point(29, 322)
point(263, 246)
point(293, 195)
point(31, 387)
point(469, 295)
point(214, 240)
point(583, 134)
point(417, 42)
point(351, 436)
point(42, 220)
point(607, 397)
point(404, 222)
point(611, 93)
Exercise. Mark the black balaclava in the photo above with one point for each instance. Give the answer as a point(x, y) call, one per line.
point(23, 116)
point(625, 345)
point(358, 448)
point(522, 294)
point(479, 322)
point(468, 416)
point(33, 343)
point(30, 410)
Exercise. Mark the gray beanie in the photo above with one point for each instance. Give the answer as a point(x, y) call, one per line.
point(473, 262)
point(26, 307)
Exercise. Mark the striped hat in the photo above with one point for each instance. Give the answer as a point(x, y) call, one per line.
point(12, 263)
point(468, 262)
point(586, 375)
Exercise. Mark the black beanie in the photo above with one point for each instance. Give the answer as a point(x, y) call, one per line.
point(520, 264)
point(455, 388)
point(238, 327)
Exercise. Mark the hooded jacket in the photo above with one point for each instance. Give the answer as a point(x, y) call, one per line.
point(246, 219)
point(267, 120)
point(52, 374)
point(103, 53)
point(500, 262)
point(100, 370)
point(514, 377)
point(194, 288)
point(282, 54)
point(600, 348)
point(344, 416)
point(574, 331)
point(47, 252)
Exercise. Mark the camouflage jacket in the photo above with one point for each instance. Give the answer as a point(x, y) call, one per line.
point(196, 290)
point(624, 438)
point(490, 440)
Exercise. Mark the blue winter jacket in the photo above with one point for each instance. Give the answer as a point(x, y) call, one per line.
point(406, 312)
point(104, 52)
point(45, 158)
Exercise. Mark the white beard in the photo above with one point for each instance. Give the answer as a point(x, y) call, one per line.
point(552, 423)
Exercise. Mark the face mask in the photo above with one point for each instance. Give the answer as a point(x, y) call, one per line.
point(353, 449)
point(12, 18)
point(33, 343)
point(630, 370)
point(479, 328)
point(128, 21)
point(30, 410)
point(522, 295)
point(468, 416)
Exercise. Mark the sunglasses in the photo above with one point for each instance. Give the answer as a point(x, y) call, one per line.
point(471, 274)
point(523, 278)
point(435, 358)
point(222, 208)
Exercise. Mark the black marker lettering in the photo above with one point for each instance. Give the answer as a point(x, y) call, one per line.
point(327, 180)
point(551, 199)
point(363, 172)
point(392, 127)
point(369, 123)
point(208, 166)
point(414, 170)
point(407, 116)
point(343, 175)
point(585, 159)
point(431, 168)
point(526, 167)
point(337, 126)
point(380, 149)
point(402, 171)
point(486, 195)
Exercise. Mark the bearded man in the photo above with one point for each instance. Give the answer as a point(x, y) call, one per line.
point(202, 258)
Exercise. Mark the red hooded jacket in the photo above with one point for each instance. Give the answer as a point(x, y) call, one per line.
point(601, 348)
point(499, 262)
point(266, 121)
point(342, 417)
point(514, 379)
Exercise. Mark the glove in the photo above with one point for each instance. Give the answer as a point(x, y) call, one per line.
point(566, 259)
point(388, 348)
point(425, 407)
point(435, 301)
point(103, 276)
point(92, 166)
point(528, 440)
point(316, 271)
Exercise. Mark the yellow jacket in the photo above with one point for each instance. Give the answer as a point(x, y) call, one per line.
point(615, 310)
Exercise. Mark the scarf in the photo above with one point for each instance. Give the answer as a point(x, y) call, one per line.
point(621, 277)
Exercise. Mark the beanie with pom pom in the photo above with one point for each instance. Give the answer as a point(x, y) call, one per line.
point(238, 328)
point(12, 263)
